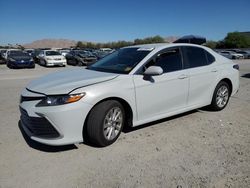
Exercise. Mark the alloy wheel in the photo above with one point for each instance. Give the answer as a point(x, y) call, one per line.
point(113, 123)
point(222, 96)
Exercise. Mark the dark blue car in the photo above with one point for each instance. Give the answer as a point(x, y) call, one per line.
point(19, 59)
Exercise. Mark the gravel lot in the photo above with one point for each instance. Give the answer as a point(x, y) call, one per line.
point(195, 149)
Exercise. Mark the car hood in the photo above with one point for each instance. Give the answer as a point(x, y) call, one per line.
point(19, 58)
point(64, 82)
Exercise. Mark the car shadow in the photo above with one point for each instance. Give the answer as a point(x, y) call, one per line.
point(129, 129)
point(46, 148)
point(42, 147)
point(246, 75)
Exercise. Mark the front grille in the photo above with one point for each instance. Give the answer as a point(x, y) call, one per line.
point(38, 126)
point(23, 98)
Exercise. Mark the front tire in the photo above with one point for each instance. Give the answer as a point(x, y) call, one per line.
point(105, 123)
point(220, 97)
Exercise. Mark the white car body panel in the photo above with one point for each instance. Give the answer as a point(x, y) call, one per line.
point(158, 94)
point(166, 95)
point(68, 80)
point(201, 84)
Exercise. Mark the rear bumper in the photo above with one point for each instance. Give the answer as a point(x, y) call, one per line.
point(235, 82)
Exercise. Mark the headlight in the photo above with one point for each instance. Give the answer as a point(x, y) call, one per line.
point(60, 99)
point(49, 58)
point(11, 59)
point(31, 59)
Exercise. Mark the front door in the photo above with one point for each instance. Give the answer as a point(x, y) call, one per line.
point(158, 95)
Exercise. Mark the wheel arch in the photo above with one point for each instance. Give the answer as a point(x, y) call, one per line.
point(128, 114)
point(225, 79)
point(229, 82)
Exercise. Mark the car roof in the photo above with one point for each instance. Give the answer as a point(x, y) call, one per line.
point(160, 46)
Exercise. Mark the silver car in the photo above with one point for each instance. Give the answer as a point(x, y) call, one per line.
point(231, 55)
point(132, 86)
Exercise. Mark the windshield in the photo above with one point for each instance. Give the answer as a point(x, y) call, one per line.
point(121, 61)
point(17, 53)
point(50, 53)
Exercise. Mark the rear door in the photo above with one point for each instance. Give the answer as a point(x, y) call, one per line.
point(202, 74)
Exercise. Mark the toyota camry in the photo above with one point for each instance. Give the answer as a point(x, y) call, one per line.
point(130, 87)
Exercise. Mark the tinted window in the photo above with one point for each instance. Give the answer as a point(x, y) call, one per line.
point(17, 53)
point(195, 57)
point(169, 60)
point(210, 58)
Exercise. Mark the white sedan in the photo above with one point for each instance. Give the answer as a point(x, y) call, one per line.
point(51, 58)
point(231, 55)
point(130, 87)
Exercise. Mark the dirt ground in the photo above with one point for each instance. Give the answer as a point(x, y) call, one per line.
point(195, 149)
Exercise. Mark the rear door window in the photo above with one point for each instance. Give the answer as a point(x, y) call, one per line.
point(195, 57)
point(210, 57)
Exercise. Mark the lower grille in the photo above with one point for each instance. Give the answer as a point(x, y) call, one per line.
point(38, 126)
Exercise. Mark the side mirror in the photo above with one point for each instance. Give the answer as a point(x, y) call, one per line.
point(153, 71)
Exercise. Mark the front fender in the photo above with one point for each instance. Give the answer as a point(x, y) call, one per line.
point(121, 87)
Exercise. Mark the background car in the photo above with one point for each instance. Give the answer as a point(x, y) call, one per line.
point(35, 55)
point(64, 52)
point(246, 54)
point(101, 54)
point(8, 52)
point(51, 58)
point(2, 55)
point(29, 51)
point(19, 59)
point(80, 57)
point(231, 55)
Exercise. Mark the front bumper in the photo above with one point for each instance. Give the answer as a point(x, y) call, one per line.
point(20, 64)
point(54, 125)
point(56, 62)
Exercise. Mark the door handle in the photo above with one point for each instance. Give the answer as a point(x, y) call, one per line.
point(183, 76)
point(214, 70)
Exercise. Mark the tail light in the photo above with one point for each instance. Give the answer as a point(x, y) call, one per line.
point(236, 67)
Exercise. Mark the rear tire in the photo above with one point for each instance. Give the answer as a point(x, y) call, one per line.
point(220, 97)
point(105, 123)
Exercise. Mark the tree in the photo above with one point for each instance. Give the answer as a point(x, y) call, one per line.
point(120, 44)
point(211, 44)
point(236, 40)
point(150, 40)
point(80, 44)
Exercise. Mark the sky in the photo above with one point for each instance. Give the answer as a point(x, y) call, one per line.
point(23, 21)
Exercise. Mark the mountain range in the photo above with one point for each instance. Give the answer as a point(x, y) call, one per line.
point(66, 43)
